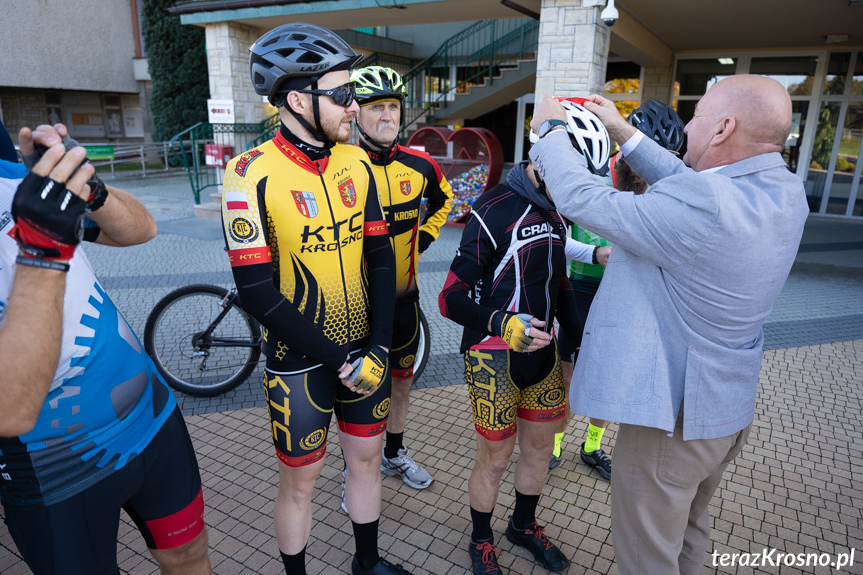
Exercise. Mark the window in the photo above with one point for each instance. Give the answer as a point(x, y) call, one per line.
point(622, 85)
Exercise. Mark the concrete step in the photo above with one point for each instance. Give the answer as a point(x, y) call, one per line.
point(209, 211)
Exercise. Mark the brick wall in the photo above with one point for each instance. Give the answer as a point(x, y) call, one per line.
point(228, 65)
point(22, 107)
point(573, 49)
point(656, 84)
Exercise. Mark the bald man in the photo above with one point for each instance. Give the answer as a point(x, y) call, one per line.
point(673, 342)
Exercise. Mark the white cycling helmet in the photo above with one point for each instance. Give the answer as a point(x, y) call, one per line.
point(587, 134)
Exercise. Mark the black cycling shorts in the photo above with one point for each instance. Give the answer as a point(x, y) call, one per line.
point(583, 300)
point(301, 405)
point(406, 339)
point(160, 489)
point(504, 385)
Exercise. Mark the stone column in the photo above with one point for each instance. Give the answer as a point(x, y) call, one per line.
point(657, 84)
point(228, 65)
point(573, 49)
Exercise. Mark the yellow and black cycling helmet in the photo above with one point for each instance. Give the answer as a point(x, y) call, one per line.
point(378, 83)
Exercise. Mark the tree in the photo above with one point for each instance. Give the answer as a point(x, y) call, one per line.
point(824, 136)
point(177, 59)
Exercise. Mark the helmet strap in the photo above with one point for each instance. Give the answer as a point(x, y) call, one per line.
point(317, 131)
point(540, 181)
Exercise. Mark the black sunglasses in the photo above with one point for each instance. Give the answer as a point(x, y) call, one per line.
point(343, 95)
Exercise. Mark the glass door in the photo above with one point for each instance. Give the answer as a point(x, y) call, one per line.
point(833, 180)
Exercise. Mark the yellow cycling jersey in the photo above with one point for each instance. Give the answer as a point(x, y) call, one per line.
point(404, 176)
point(309, 219)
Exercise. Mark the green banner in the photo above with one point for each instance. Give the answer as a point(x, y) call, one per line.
point(100, 152)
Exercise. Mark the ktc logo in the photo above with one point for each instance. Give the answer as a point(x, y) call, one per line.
point(382, 409)
point(313, 440)
point(243, 231)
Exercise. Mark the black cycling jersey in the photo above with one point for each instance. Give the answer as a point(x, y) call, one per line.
point(511, 258)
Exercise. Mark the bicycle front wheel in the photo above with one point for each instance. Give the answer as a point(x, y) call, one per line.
point(197, 351)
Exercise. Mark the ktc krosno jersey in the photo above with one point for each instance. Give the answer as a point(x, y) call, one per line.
point(404, 176)
point(307, 218)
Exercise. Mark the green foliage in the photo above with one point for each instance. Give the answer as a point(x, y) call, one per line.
point(843, 165)
point(177, 59)
point(824, 136)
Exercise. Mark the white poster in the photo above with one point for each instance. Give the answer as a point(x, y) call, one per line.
point(220, 111)
point(134, 122)
point(114, 122)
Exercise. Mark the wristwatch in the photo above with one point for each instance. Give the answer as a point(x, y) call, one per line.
point(548, 126)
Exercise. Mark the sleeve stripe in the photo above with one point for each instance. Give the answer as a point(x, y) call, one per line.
point(378, 228)
point(250, 256)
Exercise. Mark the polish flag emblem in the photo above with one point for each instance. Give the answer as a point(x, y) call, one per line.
point(236, 201)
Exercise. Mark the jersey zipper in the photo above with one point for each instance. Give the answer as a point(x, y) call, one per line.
point(548, 320)
point(389, 211)
point(341, 260)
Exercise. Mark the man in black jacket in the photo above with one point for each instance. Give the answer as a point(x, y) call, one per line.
point(505, 286)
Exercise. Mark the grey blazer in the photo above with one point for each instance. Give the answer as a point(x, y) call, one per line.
point(697, 264)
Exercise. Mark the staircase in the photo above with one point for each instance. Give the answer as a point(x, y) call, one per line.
point(477, 70)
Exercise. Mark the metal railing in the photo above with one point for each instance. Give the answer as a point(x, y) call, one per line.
point(191, 146)
point(472, 57)
point(400, 64)
point(131, 158)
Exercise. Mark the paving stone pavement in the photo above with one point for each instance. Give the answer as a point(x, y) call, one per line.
point(796, 487)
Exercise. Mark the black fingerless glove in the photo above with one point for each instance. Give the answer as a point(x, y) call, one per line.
point(49, 218)
point(98, 191)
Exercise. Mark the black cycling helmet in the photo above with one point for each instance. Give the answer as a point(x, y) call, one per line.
point(659, 122)
point(300, 51)
point(296, 51)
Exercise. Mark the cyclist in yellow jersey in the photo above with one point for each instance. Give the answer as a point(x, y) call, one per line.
point(404, 177)
point(312, 262)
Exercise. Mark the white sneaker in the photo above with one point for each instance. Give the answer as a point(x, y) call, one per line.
point(411, 473)
point(344, 475)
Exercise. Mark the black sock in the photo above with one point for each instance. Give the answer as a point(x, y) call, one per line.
point(295, 564)
point(366, 539)
point(393, 444)
point(481, 525)
point(525, 510)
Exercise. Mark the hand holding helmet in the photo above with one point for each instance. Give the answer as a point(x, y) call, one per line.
point(587, 133)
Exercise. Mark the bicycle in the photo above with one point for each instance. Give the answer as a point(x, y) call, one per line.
point(204, 343)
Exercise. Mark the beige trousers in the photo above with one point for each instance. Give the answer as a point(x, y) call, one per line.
point(660, 489)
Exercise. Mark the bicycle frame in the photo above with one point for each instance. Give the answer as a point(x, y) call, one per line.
point(229, 299)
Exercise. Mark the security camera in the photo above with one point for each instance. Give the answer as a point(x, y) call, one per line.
point(610, 14)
